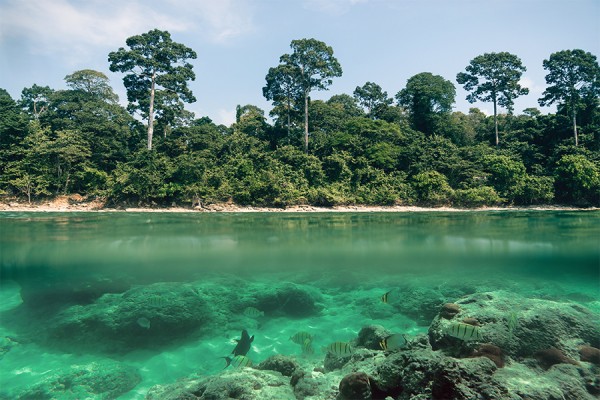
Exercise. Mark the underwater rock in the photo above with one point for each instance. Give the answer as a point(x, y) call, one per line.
point(289, 299)
point(420, 303)
point(562, 381)
point(590, 354)
point(427, 374)
point(355, 386)
point(449, 310)
point(370, 336)
point(520, 326)
point(552, 356)
point(110, 325)
point(282, 364)
point(102, 379)
point(247, 384)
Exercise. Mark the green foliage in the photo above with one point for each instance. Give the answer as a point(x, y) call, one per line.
point(574, 81)
point(494, 77)
point(476, 197)
point(155, 60)
point(432, 188)
point(578, 180)
point(506, 175)
point(428, 98)
point(363, 151)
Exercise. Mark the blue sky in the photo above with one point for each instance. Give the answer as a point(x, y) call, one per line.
point(237, 41)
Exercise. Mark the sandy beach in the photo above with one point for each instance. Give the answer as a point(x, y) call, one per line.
point(76, 203)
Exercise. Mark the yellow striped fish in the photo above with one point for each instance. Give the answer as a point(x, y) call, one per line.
point(339, 348)
point(390, 296)
point(253, 312)
point(238, 361)
point(300, 337)
point(464, 331)
point(307, 347)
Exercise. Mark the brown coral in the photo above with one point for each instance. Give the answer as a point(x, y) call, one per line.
point(355, 386)
point(492, 352)
point(589, 354)
point(449, 310)
point(552, 356)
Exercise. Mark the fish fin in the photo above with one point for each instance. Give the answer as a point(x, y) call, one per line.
point(251, 338)
point(227, 360)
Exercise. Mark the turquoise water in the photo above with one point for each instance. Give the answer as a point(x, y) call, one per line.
point(55, 263)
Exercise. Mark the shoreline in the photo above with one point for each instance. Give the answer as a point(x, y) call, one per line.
point(77, 204)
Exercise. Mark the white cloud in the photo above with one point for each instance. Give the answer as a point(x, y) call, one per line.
point(73, 29)
point(335, 7)
point(221, 19)
point(534, 88)
point(225, 117)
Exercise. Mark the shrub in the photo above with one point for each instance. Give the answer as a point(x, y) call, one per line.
point(476, 197)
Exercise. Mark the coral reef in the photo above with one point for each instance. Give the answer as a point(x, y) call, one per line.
point(247, 384)
point(103, 379)
point(289, 299)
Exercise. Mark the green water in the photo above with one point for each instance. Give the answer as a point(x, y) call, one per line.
point(351, 258)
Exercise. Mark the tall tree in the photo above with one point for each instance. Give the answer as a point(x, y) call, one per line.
point(494, 77)
point(372, 97)
point(153, 61)
point(284, 90)
point(315, 65)
point(94, 83)
point(427, 97)
point(574, 78)
point(36, 99)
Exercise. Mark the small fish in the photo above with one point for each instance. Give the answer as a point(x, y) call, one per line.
point(238, 361)
point(389, 296)
point(157, 301)
point(307, 347)
point(464, 331)
point(253, 312)
point(339, 348)
point(243, 345)
point(300, 337)
point(143, 322)
point(393, 342)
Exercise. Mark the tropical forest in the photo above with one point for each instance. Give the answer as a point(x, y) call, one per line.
point(369, 147)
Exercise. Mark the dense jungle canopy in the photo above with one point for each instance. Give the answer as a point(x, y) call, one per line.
point(361, 148)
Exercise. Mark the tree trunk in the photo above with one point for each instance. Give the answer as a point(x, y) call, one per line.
point(151, 112)
point(289, 107)
point(306, 122)
point(496, 123)
point(575, 126)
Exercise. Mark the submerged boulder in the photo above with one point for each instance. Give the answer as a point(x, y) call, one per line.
point(520, 326)
point(288, 299)
point(145, 317)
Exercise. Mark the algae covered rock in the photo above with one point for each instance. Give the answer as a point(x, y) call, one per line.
point(247, 384)
point(282, 364)
point(289, 299)
point(520, 326)
point(145, 317)
point(431, 374)
point(98, 380)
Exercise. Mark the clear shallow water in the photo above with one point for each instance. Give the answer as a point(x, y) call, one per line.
point(350, 258)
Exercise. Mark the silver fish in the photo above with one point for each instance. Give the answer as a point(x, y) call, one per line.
point(143, 322)
point(253, 312)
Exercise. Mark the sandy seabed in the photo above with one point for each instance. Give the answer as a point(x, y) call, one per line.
point(77, 203)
